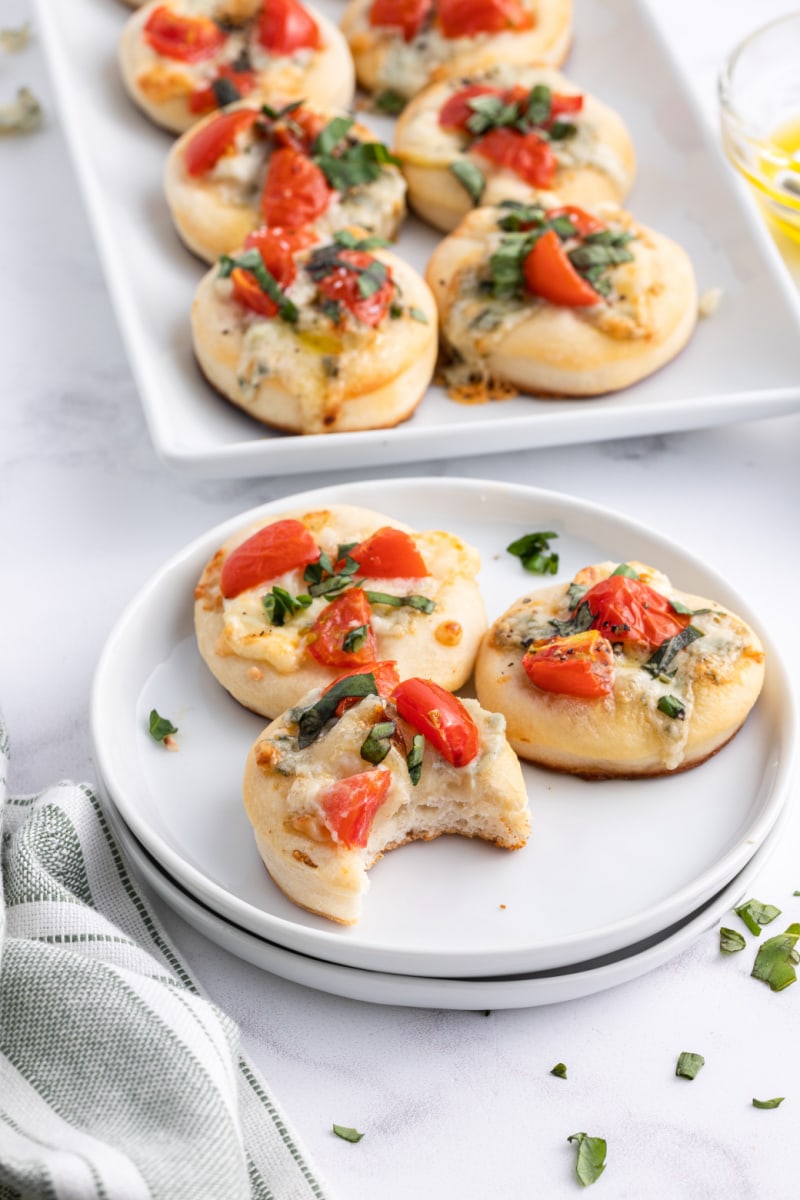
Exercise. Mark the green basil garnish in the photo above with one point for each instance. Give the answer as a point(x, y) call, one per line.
point(579, 622)
point(689, 1065)
point(378, 742)
point(252, 261)
point(730, 941)
point(355, 638)
point(755, 914)
point(626, 570)
point(331, 134)
point(559, 1070)
point(671, 706)
point(372, 279)
point(313, 719)
point(420, 603)
point(160, 727)
point(777, 958)
point(279, 605)
point(417, 315)
point(532, 549)
point(774, 1103)
point(347, 1134)
point(469, 177)
point(390, 102)
point(660, 662)
point(591, 1160)
point(225, 91)
point(414, 758)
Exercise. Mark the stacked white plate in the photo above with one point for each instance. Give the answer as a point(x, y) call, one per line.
point(617, 876)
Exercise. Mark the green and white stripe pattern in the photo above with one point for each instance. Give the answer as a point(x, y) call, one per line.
point(118, 1081)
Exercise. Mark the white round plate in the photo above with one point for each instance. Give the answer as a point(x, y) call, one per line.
point(607, 864)
point(379, 987)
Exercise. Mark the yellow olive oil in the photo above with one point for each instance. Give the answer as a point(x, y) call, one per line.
point(778, 177)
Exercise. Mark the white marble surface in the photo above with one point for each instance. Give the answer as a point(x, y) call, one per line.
point(452, 1104)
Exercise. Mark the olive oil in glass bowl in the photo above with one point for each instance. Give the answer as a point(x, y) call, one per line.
point(759, 97)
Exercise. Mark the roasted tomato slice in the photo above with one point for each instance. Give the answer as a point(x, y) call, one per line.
point(580, 665)
point(206, 147)
point(440, 717)
point(389, 554)
point(277, 248)
point(188, 39)
point(561, 104)
point(285, 26)
point(343, 285)
point(350, 805)
point(549, 273)
point(295, 190)
point(406, 15)
point(204, 100)
point(300, 129)
point(467, 18)
point(627, 610)
point(342, 635)
point(456, 111)
point(526, 154)
point(273, 550)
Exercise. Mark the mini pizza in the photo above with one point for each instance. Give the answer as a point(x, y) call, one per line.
point(551, 299)
point(367, 765)
point(316, 338)
point(509, 133)
point(619, 674)
point(293, 602)
point(251, 166)
point(183, 59)
point(399, 46)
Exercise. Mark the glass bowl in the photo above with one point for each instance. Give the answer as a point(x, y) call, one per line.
point(759, 97)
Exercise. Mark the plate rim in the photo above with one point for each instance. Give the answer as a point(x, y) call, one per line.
point(292, 934)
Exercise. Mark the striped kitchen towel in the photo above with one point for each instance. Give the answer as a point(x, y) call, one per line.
point(118, 1081)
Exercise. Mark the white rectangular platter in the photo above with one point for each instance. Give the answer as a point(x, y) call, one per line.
point(743, 362)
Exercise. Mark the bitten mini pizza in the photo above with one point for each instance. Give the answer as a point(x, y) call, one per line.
point(293, 602)
point(295, 166)
point(399, 46)
point(314, 338)
point(184, 59)
point(509, 133)
point(369, 764)
point(559, 301)
point(619, 674)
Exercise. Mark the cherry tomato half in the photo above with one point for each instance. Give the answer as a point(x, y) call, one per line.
point(342, 285)
point(269, 552)
point(350, 805)
point(549, 273)
point(187, 39)
point(277, 248)
point(389, 554)
point(285, 26)
point(456, 111)
point(295, 190)
point(386, 680)
point(466, 18)
point(526, 154)
point(407, 15)
point(580, 665)
point(440, 717)
point(343, 616)
point(627, 610)
point(215, 138)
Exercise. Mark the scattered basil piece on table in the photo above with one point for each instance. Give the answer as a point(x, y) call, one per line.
point(591, 1160)
point(689, 1064)
point(161, 727)
point(347, 1134)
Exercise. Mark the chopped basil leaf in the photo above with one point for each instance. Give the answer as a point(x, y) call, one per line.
point(390, 102)
point(579, 622)
point(280, 114)
point(591, 1160)
point(355, 639)
point(626, 570)
point(777, 958)
point(372, 279)
point(531, 550)
point(755, 914)
point(252, 261)
point(417, 314)
point(160, 727)
point(575, 593)
point(359, 162)
point(343, 550)
point(312, 720)
point(414, 758)
point(225, 92)
point(347, 1134)
point(470, 178)
point(774, 1103)
point(559, 1070)
point(420, 603)
point(667, 652)
point(343, 237)
point(672, 707)
point(331, 134)
point(378, 742)
point(540, 101)
point(689, 1064)
point(280, 605)
point(796, 893)
point(505, 265)
point(730, 940)
point(559, 131)
point(323, 578)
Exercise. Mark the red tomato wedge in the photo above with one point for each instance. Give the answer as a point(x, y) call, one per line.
point(440, 717)
point(526, 154)
point(207, 146)
point(285, 26)
point(560, 104)
point(295, 190)
point(342, 285)
point(204, 100)
point(309, 123)
point(549, 274)
point(344, 615)
point(583, 221)
point(389, 554)
point(188, 39)
point(627, 610)
point(350, 805)
point(273, 550)
point(386, 680)
point(466, 18)
point(456, 111)
point(277, 248)
point(406, 15)
point(581, 665)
